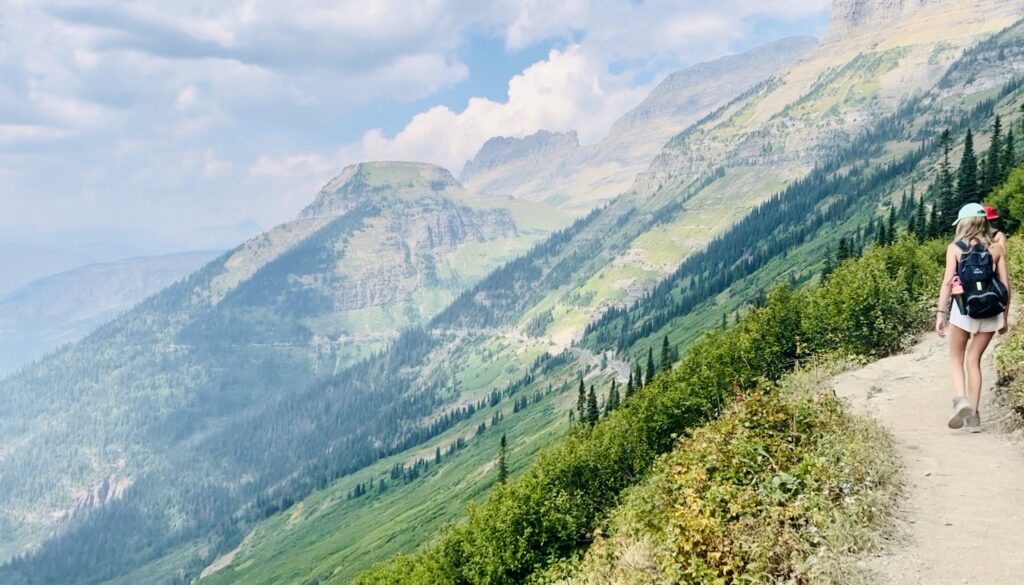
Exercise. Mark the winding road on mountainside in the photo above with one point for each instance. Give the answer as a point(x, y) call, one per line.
point(963, 515)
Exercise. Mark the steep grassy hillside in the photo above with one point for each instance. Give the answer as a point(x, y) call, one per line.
point(782, 241)
point(553, 510)
point(151, 424)
point(223, 404)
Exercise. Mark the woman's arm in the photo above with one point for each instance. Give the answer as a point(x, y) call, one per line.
point(947, 278)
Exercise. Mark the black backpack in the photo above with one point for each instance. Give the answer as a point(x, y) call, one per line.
point(984, 294)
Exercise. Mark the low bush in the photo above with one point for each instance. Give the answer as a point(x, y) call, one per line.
point(773, 492)
point(1010, 355)
point(872, 307)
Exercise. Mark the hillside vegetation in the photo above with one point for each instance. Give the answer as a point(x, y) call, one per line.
point(266, 421)
point(860, 196)
point(784, 487)
point(551, 512)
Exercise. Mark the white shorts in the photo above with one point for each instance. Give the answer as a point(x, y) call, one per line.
point(972, 325)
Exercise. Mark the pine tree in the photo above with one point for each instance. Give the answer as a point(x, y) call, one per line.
point(920, 221)
point(581, 401)
point(844, 251)
point(935, 228)
point(912, 221)
point(613, 399)
point(629, 385)
point(503, 460)
point(947, 194)
point(666, 350)
point(593, 413)
point(993, 161)
point(1009, 158)
point(638, 378)
point(828, 265)
point(890, 230)
point(967, 175)
point(437, 456)
point(650, 366)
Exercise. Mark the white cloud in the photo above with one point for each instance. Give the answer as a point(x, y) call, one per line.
point(187, 97)
point(13, 133)
point(574, 89)
point(291, 166)
point(214, 167)
point(567, 91)
point(237, 108)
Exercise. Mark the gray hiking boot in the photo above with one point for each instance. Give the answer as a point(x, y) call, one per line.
point(961, 410)
point(973, 423)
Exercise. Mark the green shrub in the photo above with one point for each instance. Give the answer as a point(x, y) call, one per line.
point(758, 496)
point(1010, 356)
point(869, 306)
point(873, 305)
point(1009, 200)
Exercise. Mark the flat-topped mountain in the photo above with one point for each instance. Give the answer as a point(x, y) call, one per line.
point(364, 182)
point(383, 247)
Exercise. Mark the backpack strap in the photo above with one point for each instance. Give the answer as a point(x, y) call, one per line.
point(962, 245)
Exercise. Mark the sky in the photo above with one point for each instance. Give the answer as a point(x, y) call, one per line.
point(191, 124)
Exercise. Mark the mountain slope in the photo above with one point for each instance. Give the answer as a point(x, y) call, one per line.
point(617, 255)
point(47, 313)
point(555, 168)
point(520, 530)
point(157, 406)
point(335, 427)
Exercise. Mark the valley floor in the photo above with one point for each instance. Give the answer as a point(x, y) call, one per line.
point(963, 513)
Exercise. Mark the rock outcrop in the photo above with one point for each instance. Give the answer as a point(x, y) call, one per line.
point(849, 16)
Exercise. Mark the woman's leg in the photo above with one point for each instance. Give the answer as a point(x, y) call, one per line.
point(974, 353)
point(957, 347)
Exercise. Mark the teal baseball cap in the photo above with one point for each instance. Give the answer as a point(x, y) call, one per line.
point(971, 210)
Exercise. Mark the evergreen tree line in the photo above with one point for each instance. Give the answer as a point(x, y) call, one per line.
point(782, 223)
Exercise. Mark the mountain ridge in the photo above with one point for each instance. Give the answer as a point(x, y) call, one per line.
point(44, 314)
point(553, 167)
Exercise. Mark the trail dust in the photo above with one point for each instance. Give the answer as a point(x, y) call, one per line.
point(963, 514)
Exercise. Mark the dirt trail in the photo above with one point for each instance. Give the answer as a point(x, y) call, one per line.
point(964, 511)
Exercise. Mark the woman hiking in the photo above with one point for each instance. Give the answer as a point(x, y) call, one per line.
point(997, 234)
point(976, 278)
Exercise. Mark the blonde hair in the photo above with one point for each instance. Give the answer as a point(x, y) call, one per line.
point(974, 228)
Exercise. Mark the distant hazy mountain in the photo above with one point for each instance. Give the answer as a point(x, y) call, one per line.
point(553, 167)
point(30, 254)
point(47, 313)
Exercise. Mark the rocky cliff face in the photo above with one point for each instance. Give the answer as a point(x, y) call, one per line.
point(553, 167)
point(849, 16)
point(502, 150)
point(407, 245)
